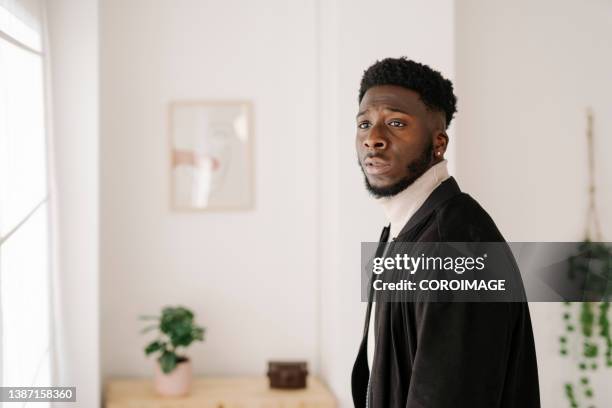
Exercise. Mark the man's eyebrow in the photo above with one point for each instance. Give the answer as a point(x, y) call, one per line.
point(392, 109)
point(389, 108)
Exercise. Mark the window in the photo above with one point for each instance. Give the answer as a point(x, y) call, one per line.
point(24, 219)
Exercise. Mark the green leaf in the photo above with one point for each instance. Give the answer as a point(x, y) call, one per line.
point(148, 329)
point(167, 361)
point(154, 346)
point(198, 333)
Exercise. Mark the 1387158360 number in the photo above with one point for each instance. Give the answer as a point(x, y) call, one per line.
point(24, 394)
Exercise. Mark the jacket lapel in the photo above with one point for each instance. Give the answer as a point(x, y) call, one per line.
point(446, 190)
point(361, 370)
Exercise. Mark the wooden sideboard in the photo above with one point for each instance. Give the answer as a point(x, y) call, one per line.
point(223, 392)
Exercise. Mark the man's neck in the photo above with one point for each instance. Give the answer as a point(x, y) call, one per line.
point(402, 206)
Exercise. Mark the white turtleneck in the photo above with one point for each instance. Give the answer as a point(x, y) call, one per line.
point(399, 209)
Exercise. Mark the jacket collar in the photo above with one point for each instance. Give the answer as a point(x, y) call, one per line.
point(403, 205)
point(445, 191)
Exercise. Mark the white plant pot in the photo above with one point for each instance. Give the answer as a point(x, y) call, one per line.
point(176, 383)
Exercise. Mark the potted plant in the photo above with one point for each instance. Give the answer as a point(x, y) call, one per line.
point(176, 328)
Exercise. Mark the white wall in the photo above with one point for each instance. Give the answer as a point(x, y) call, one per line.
point(73, 42)
point(526, 71)
point(249, 276)
point(354, 36)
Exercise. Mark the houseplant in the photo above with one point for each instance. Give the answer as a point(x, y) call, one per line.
point(587, 324)
point(176, 328)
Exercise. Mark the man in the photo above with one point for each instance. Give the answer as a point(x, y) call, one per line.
point(428, 354)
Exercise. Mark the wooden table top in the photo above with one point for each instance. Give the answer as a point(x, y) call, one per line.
point(217, 392)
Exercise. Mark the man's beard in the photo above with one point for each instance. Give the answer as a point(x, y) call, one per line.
point(415, 169)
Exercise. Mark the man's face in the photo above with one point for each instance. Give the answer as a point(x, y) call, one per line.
point(395, 138)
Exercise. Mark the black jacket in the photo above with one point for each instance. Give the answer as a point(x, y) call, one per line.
point(442, 355)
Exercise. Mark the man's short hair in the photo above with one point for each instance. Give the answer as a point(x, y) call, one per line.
point(435, 91)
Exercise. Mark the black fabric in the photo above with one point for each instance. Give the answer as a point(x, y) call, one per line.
point(360, 382)
point(442, 355)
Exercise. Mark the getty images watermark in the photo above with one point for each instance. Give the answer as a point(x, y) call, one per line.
point(486, 271)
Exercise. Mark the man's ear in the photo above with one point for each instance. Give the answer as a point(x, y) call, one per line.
point(438, 131)
point(440, 142)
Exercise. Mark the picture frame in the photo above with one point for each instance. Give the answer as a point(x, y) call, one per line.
point(211, 155)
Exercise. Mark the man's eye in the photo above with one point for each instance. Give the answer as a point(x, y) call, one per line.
point(363, 125)
point(396, 123)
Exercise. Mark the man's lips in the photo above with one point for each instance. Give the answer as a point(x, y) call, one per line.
point(375, 166)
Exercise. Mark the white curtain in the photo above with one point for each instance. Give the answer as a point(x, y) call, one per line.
point(27, 250)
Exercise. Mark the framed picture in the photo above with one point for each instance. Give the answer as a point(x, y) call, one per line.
point(211, 155)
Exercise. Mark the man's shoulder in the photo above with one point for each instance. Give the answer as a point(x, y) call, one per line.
point(462, 219)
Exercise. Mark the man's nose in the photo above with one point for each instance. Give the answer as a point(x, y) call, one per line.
point(375, 139)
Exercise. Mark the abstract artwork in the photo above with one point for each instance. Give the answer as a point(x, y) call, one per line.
point(211, 155)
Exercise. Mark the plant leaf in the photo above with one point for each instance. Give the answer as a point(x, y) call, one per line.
point(167, 361)
point(148, 329)
point(154, 346)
